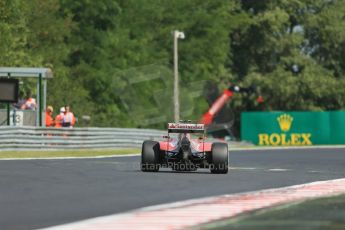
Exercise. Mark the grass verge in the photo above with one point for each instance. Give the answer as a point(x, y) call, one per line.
point(321, 214)
point(66, 153)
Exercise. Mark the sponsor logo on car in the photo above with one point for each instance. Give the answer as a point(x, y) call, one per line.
point(186, 126)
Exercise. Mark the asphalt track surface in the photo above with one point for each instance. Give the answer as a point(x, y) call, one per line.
point(42, 193)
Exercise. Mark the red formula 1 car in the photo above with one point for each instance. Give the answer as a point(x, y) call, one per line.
point(185, 150)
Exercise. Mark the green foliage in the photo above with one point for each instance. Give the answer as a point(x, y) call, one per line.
point(113, 59)
point(13, 32)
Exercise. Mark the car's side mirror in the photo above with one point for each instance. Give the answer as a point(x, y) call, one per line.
point(202, 138)
point(166, 137)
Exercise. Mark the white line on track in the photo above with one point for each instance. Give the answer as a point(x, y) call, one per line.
point(242, 168)
point(190, 213)
point(256, 148)
point(67, 158)
point(278, 170)
point(231, 149)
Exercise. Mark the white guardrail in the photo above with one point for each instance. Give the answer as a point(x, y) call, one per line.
point(33, 138)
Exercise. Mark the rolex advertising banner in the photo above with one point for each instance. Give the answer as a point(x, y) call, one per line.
point(293, 128)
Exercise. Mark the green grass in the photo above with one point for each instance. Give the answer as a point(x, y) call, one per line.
point(320, 214)
point(66, 153)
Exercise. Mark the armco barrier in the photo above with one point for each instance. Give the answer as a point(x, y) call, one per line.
point(293, 128)
point(26, 138)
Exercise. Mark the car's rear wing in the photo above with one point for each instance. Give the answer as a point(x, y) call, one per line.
point(185, 128)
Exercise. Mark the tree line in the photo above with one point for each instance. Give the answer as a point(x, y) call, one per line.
point(113, 59)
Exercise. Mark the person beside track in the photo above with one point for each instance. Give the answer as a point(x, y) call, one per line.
point(69, 118)
point(49, 117)
point(60, 117)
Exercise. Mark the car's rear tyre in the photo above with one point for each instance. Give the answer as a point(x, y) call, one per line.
point(150, 156)
point(220, 158)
